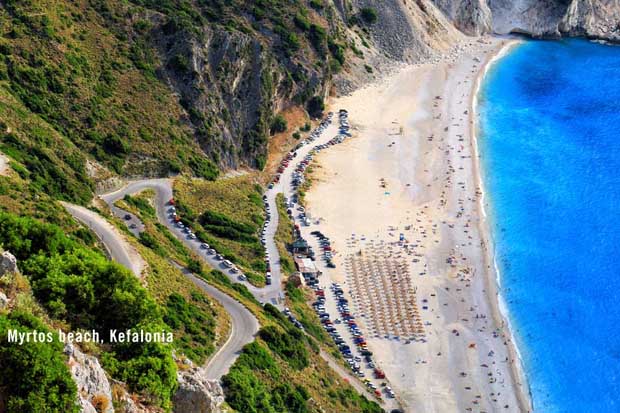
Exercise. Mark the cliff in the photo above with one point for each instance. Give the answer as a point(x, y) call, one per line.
point(599, 19)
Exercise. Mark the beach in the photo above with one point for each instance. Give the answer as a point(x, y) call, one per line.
point(406, 188)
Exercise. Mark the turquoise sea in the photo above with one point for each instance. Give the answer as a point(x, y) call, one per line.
point(550, 151)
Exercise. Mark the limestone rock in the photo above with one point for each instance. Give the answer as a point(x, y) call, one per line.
point(592, 18)
point(472, 17)
point(4, 300)
point(197, 394)
point(8, 263)
point(92, 383)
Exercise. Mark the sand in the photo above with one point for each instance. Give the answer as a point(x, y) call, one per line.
point(411, 168)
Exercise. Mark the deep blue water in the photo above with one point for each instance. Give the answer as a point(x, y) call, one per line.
point(550, 148)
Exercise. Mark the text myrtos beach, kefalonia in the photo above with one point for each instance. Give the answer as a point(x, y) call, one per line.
point(93, 336)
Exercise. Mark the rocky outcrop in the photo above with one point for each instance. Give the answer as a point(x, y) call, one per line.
point(4, 301)
point(592, 18)
point(472, 17)
point(197, 394)
point(8, 263)
point(538, 18)
point(225, 82)
point(94, 392)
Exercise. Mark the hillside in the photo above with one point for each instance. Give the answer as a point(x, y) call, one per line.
point(95, 92)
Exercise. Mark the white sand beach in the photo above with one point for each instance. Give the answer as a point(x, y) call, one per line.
point(411, 168)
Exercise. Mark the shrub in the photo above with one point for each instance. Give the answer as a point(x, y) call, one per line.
point(369, 15)
point(278, 124)
point(203, 168)
point(34, 376)
point(289, 345)
point(318, 38)
point(194, 327)
point(301, 22)
point(316, 106)
point(83, 288)
point(317, 4)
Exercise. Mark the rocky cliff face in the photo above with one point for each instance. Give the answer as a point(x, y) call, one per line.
point(593, 18)
point(94, 392)
point(227, 82)
point(472, 17)
point(198, 394)
point(598, 19)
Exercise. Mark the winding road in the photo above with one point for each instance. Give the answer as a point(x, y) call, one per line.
point(244, 325)
point(116, 246)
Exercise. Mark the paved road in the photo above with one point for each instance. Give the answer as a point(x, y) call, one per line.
point(244, 327)
point(273, 293)
point(117, 247)
point(163, 193)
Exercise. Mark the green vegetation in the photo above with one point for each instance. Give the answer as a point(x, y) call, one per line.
point(233, 229)
point(198, 325)
point(195, 320)
point(298, 298)
point(82, 288)
point(368, 68)
point(278, 124)
point(76, 88)
point(316, 106)
point(141, 203)
point(369, 15)
point(284, 236)
point(283, 372)
point(287, 344)
point(34, 376)
point(317, 4)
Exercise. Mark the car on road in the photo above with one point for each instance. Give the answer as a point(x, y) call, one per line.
point(204, 246)
point(219, 257)
point(242, 277)
point(127, 217)
point(133, 226)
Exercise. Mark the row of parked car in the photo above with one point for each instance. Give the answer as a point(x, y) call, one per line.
point(287, 312)
point(263, 240)
point(290, 204)
point(326, 248)
point(176, 220)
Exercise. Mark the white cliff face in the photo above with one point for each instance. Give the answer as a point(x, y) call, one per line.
point(472, 17)
point(197, 394)
point(593, 18)
point(8, 263)
point(539, 18)
point(92, 383)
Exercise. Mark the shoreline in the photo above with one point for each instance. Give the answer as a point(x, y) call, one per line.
point(499, 307)
point(409, 169)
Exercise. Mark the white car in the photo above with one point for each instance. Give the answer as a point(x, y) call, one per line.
point(204, 245)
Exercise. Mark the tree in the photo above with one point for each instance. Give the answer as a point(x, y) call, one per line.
point(278, 124)
point(34, 375)
point(316, 106)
